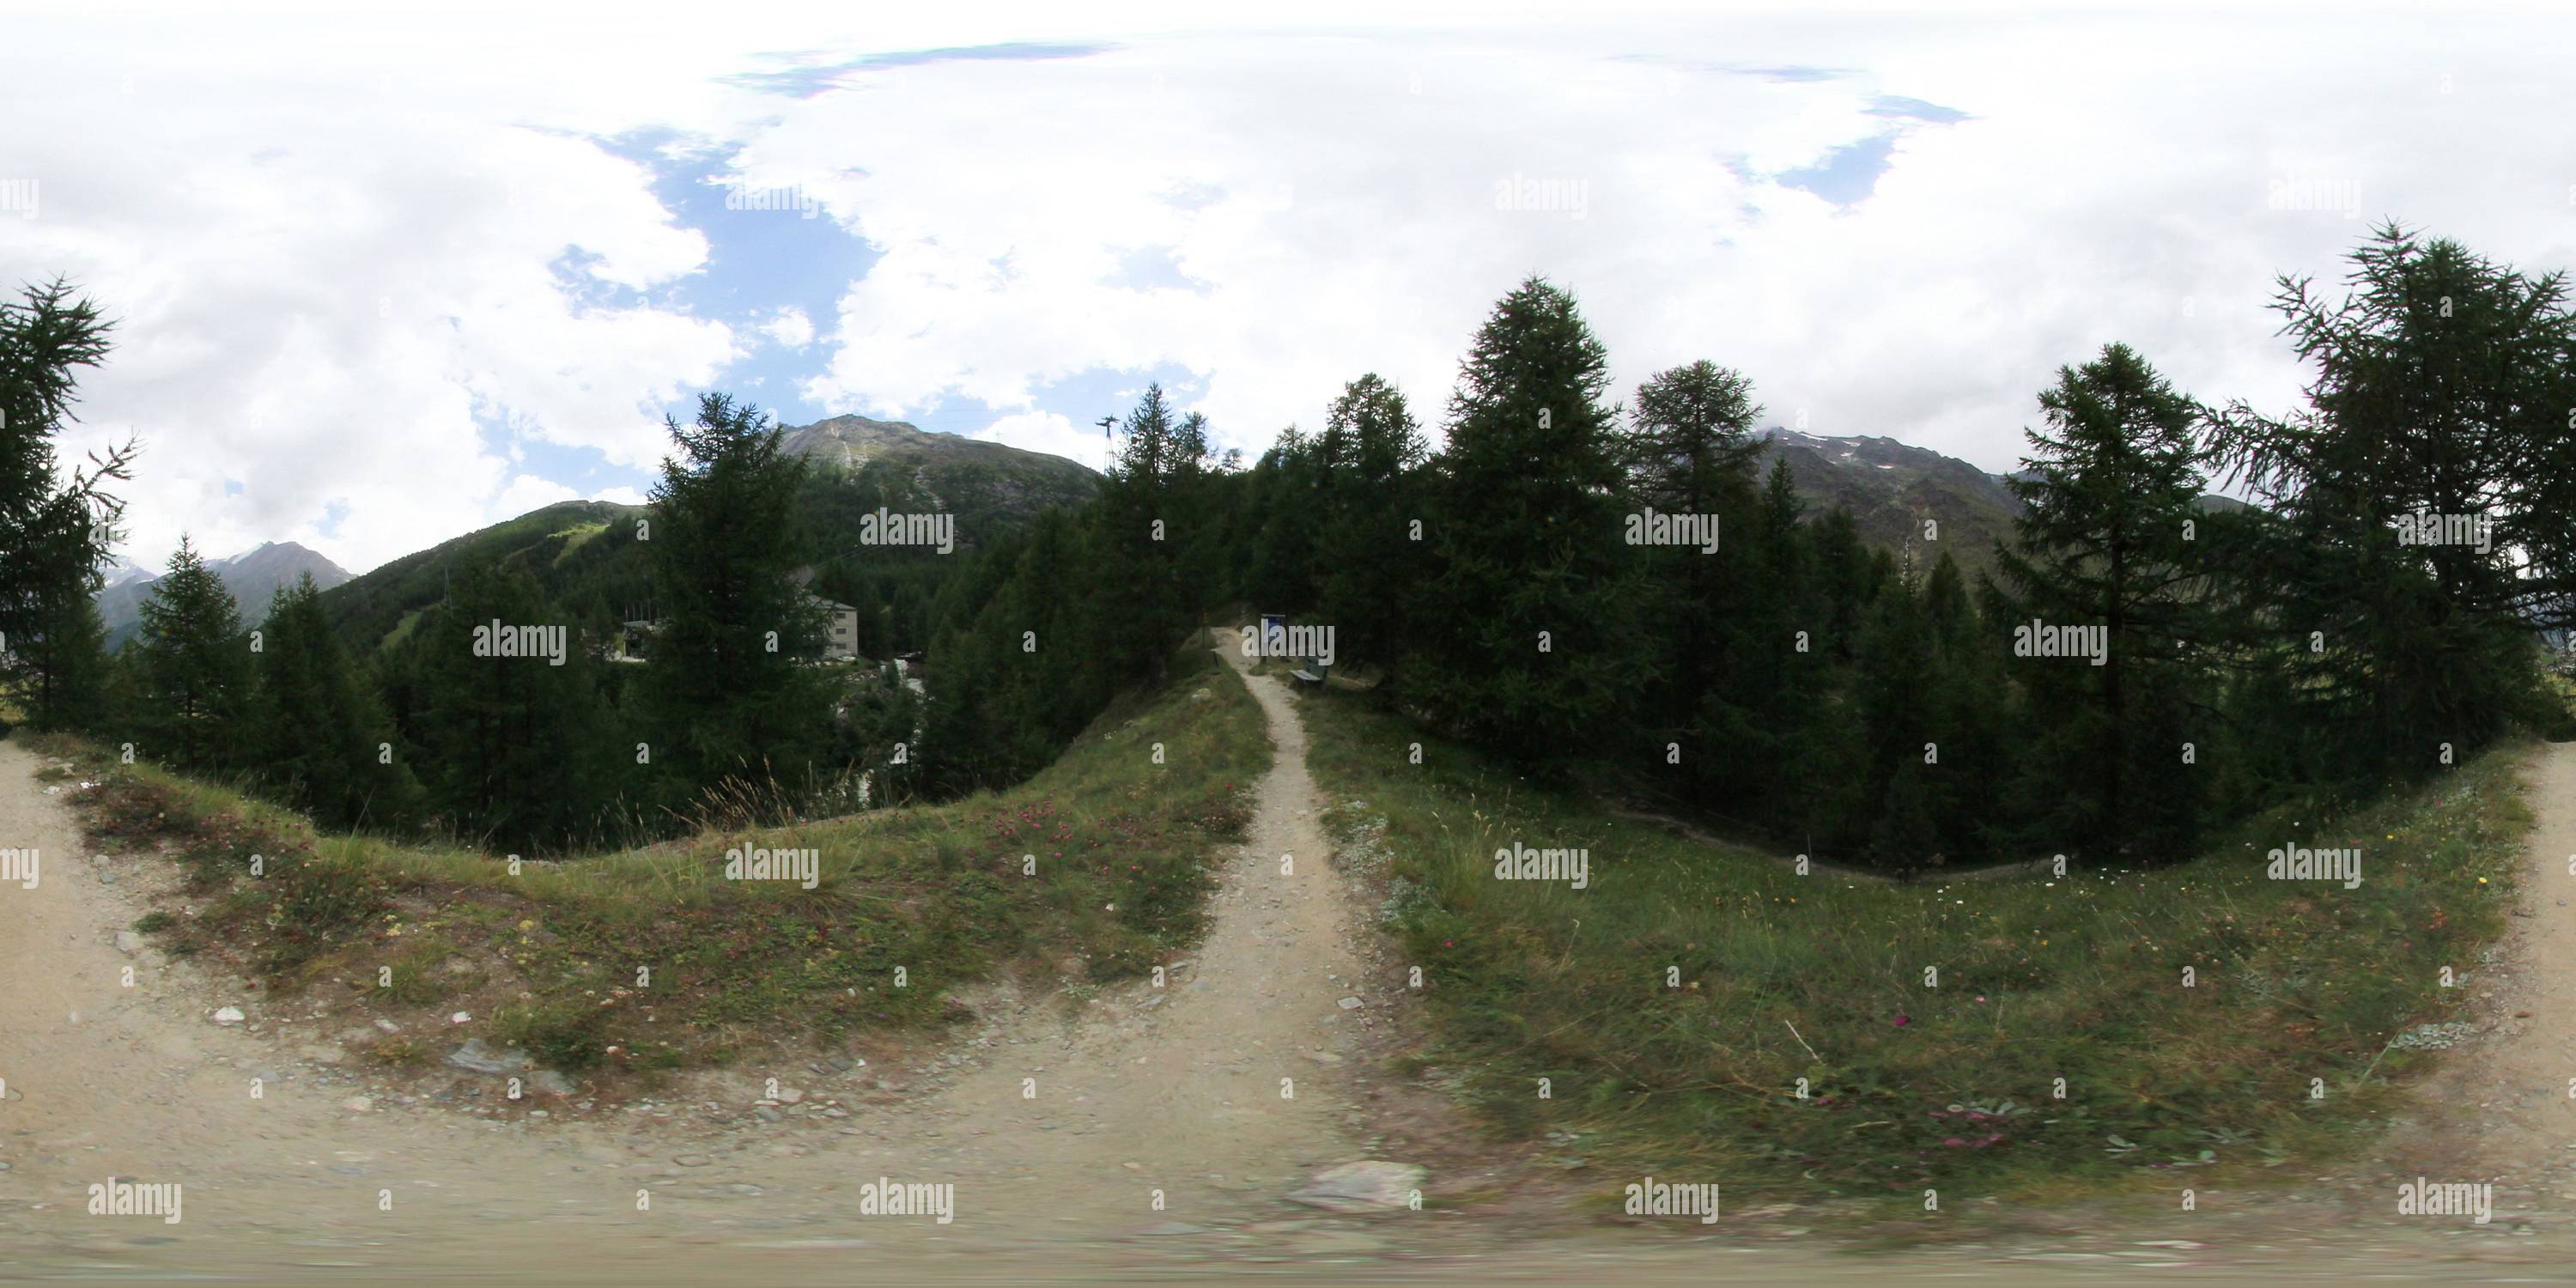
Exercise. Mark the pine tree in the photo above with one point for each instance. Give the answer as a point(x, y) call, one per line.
point(196, 664)
point(730, 691)
point(1151, 548)
point(57, 663)
point(1370, 557)
point(2441, 387)
point(1689, 451)
point(2111, 492)
point(1527, 643)
point(320, 732)
point(1286, 561)
point(1774, 777)
point(55, 531)
point(515, 752)
point(1896, 682)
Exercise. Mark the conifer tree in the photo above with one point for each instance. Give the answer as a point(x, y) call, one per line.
point(1689, 452)
point(2111, 491)
point(515, 752)
point(2441, 387)
point(318, 729)
point(1528, 643)
point(57, 661)
point(730, 691)
point(196, 665)
point(55, 530)
point(1150, 548)
point(1370, 557)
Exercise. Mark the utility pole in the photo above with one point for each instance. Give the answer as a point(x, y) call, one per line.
point(1108, 452)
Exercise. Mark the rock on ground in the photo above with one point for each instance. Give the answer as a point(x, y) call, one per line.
point(1362, 1187)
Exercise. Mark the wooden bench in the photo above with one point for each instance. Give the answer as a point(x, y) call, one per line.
point(1315, 676)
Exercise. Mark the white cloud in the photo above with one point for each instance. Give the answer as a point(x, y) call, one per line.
point(1045, 431)
point(345, 322)
point(790, 327)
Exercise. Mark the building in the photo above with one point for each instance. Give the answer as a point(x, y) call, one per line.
point(842, 640)
point(840, 637)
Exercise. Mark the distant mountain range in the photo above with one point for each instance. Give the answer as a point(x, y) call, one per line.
point(252, 576)
point(1891, 488)
point(584, 556)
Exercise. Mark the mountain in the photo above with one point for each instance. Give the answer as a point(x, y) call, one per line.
point(121, 570)
point(968, 477)
point(1891, 488)
point(580, 551)
point(253, 576)
point(586, 560)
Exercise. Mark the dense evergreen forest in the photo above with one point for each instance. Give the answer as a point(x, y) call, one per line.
point(2138, 669)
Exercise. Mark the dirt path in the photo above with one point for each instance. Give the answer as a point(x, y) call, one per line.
point(2504, 1110)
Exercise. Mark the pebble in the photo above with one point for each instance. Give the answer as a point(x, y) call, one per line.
point(228, 1015)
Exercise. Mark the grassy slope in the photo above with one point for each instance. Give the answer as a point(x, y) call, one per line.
point(549, 957)
point(1913, 1086)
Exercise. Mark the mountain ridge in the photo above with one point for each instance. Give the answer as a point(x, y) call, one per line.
point(253, 576)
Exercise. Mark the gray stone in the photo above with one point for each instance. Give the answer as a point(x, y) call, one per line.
point(128, 942)
point(228, 1016)
point(475, 1057)
point(551, 1083)
point(1362, 1187)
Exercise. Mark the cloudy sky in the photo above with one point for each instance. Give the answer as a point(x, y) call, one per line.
point(382, 281)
